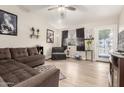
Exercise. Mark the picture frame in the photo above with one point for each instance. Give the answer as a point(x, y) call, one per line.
point(8, 23)
point(50, 36)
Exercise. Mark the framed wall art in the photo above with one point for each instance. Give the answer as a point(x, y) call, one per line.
point(8, 23)
point(50, 36)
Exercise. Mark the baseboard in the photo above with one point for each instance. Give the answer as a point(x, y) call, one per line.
point(102, 61)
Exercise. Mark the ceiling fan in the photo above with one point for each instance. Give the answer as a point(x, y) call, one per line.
point(63, 6)
point(62, 9)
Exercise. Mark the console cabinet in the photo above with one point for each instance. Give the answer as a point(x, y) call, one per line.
point(117, 70)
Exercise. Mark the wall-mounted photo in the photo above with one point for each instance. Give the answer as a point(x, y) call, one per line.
point(50, 36)
point(8, 23)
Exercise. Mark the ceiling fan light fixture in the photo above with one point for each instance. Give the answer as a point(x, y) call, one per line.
point(60, 9)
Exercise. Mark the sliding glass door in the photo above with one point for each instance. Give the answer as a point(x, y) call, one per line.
point(104, 37)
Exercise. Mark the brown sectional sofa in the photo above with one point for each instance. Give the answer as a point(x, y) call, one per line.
point(16, 69)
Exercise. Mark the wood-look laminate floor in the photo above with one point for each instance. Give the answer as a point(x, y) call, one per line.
point(82, 73)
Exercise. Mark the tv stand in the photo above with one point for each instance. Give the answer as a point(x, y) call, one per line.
point(117, 69)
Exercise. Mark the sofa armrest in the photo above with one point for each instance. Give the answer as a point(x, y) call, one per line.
point(3, 83)
point(46, 79)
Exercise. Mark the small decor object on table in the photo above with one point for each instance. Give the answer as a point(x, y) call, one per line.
point(50, 36)
point(8, 23)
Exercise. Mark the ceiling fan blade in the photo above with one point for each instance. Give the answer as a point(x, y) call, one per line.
point(52, 8)
point(81, 8)
point(70, 8)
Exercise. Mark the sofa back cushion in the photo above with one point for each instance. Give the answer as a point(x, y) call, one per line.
point(32, 51)
point(5, 53)
point(18, 52)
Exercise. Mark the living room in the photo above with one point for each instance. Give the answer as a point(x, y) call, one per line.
point(61, 45)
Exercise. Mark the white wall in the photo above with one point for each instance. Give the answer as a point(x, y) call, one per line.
point(121, 18)
point(121, 21)
point(26, 20)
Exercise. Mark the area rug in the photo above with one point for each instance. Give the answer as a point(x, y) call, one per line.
point(43, 68)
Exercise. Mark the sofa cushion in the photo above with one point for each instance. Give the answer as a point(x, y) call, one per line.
point(5, 53)
point(32, 51)
point(19, 52)
point(32, 60)
point(14, 72)
point(3, 69)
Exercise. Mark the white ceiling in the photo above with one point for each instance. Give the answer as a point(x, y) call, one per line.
point(83, 13)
